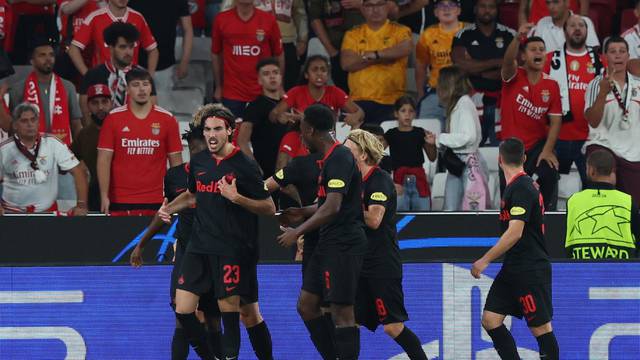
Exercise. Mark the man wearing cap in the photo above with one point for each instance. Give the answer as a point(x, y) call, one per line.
point(29, 163)
point(85, 147)
point(54, 96)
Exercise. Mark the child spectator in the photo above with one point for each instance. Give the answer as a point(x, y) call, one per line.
point(406, 143)
point(434, 51)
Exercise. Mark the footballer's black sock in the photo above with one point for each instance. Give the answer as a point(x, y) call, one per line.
point(231, 334)
point(348, 342)
point(321, 336)
point(194, 331)
point(215, 341)
point(261, 341)
point(503, 343)
point(548, 346)
point(411, 344)
point(331, 326)
point(179, 345)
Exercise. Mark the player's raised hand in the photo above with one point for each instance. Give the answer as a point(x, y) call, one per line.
point(291, 216)
point(163, 213)
point(288, 237)
point(229, 190)
point(136, 256)
point(478, 267)
point(525, 29)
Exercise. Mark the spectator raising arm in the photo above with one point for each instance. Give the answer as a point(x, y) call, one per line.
point(510, 61)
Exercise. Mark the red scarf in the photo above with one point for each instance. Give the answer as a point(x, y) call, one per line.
point(60, 123)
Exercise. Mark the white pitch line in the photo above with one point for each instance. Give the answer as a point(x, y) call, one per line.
point(614, 293)
point(41, 297)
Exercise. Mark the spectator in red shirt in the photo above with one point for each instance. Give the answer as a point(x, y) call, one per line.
point(92, 31)
point(532, 111)
point(71, 16)
point(242, 36)
point(135, 142)
point(33, 19)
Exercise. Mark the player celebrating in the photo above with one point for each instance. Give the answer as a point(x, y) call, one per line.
point(523, 285)
point(334, 268)
point(175, 182)
point(380, 299)
point(222, 252)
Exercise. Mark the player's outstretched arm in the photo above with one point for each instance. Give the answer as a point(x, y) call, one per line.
point(183, 201)
point(256, 206)
point(506, 242)
point(154, 227)
point(325, 214)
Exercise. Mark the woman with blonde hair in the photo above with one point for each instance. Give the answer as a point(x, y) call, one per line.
point(466, 185)
point(380, 283)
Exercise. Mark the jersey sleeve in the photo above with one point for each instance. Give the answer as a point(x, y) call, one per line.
point(251, 184)
point(422, 50)
point(147, 40)
point(592, 92)
point(337, 173)
point(378, 191)
point(520, 205)
point(290, 174)
point(290, 143)
point(174, 143)
point(106, 140)
point(291, 96)
point(402, 33)
point(555, 107)
point(252, 113)
point(350, 42)
point(82, 37)
point(65, 159)
point(340, 98)
point(183, 8)
point(276, 38)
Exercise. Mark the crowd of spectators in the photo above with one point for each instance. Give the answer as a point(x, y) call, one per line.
point(88, 117)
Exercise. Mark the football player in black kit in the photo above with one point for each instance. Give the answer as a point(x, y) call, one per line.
point(380, 299)
point(334, 267)
point(175, 183)
point(222, 254)
point(523, 285)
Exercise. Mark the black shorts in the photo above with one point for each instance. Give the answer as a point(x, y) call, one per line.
point(379, 301)
point(531, 300)
point(224, 276)
point(333, 277)
point(208, 302)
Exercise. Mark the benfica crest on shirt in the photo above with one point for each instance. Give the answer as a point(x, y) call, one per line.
point(499, 42)
point(155, 128)
point(260, 35)
point(545, 95)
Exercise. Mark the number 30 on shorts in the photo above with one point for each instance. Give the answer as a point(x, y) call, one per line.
point(231, 274)
point(528, 304)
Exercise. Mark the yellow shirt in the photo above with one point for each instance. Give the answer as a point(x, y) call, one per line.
point(382, 83)
point(434, 50)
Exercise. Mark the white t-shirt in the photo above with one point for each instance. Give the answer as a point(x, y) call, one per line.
point(18, 180)
point(553, 35)
point(632, 36)
point(465, 132)
point(612, 133)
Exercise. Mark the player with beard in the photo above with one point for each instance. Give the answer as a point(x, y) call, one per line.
point(380, 298)
point(531, 111)
point(334, 268)
point(222, 253)
point(522, 288)
point(85, 146)
point(175, 183)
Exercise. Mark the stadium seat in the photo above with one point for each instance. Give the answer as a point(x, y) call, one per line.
point(411, 81)
point(601, 15)
point(508, 14)
point(494, 190)
point(437, 191)
point(628, 19)
point(490, 156)
point(569, 184)
point(201, 50)
point(389, 124)
point(195, 79)
point(342, 131)
point(181, 101)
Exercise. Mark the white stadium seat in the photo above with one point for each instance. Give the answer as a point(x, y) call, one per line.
point(490, 155)
point(437, 191)
point(184, 101)
point(342, 131)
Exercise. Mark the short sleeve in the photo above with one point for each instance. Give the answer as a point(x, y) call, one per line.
point(290, 143)
point(458, 40)
point(191, 179)
point(340, 98)
point(183, 8)
point(422, 50)
point(251, 184)
point(216, 35)
point(520, 205)
point(291, 96)
point(402, 33)
point(337, 173)
point(147, 40)
point(350, 42)
point(315, 10)
point(555, 107)
point(252, 113)
point(378, 191)
point(82, 37)
point(74, 106)
point(592, 92)
point(106, 139)
point(65, 159)
point(173, 137)
point(290, 174)
point(276, 38)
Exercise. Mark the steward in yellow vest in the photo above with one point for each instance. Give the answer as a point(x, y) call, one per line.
point(602, 223)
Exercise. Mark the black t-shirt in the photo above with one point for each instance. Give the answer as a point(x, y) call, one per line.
point(162, 17)
point(339, 174)
point(302, 172)
point(383, 257)
point(481, 47)
point(386, 164)
point(522, 201)
point(222, 227)
point(100, 75)
point(176, 181)
point(266, 136)
point(406, 147)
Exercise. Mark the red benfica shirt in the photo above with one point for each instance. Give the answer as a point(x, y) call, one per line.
point(91, 33)
point(242, 44)
point(580, 71)
point(300, 98)
point(525, 107)
point(291, 144)
point(78, 17)
point(140, 148)
point(6, 25)
point(24, 8)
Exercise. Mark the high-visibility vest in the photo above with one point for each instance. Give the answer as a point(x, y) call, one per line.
point(599, 225)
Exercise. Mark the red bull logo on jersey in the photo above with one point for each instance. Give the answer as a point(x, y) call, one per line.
point(211, 187)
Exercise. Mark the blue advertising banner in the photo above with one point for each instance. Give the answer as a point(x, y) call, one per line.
point(117, 312)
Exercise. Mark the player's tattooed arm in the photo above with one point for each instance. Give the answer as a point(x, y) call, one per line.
point(506, 242)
